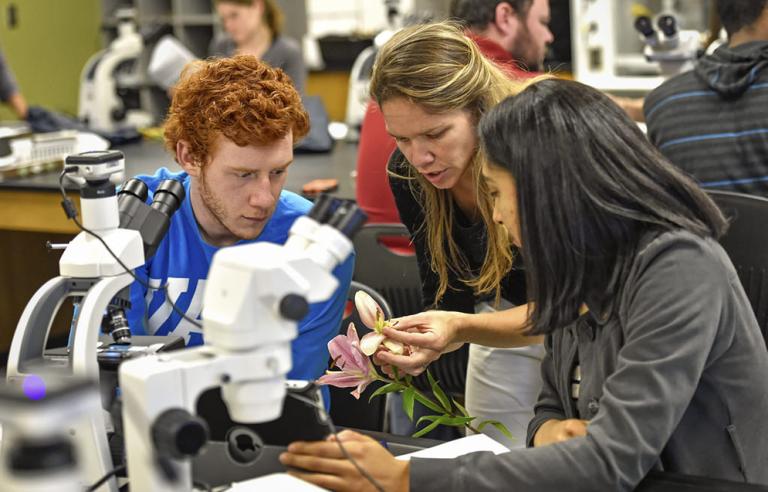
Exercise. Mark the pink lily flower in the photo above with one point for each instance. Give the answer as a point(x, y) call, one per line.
point(356, 369)
point(372, 316)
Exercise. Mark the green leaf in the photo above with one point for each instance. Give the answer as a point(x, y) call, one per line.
point(427, 402)
point(408, 379)
point(461, 408)
point(408, 399)
point(441, 420)
point(426, 429)
point(456, 421)
point(428, 418)
point(396, 373)
point(439, 393)
point(499, 426)
point(387, 388)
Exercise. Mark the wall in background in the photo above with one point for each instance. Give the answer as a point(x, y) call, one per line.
point(47, 43)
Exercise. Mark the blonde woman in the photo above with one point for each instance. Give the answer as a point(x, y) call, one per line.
point(433, 84)
point(254, 27)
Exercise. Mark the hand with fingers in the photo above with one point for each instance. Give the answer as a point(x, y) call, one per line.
point(554, 430)
point(323, 463)
point(429, 335)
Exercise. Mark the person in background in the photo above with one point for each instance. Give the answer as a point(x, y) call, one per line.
point(513, 34)
point(232, 127)
point(712, 121)
point(9, 90)
point(650, 337)
point(255, 27)
point(432, 84)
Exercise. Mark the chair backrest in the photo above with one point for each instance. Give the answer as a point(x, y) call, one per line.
point(347, 411)
point(390, 270)
point(746, 242)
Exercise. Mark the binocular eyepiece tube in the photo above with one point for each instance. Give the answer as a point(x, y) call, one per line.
point(343, 215)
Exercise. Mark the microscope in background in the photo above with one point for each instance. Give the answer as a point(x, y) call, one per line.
point(39, 455)
point(673, 49)
point(97, 281)
point(111, 80)
point(254, 297)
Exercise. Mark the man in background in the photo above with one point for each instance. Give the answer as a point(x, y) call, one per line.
point(712, 121)
point(512, 32)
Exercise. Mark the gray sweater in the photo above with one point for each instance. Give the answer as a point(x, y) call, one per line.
point(676, 382)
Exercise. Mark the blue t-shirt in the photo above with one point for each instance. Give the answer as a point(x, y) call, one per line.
point(183, 259)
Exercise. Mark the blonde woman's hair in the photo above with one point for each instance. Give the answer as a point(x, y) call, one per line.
point(437, 67)
point(273, 16)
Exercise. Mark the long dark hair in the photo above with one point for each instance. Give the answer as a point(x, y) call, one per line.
point(589, 184)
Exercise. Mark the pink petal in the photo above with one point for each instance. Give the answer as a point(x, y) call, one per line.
point(340, 379)
point(370, 342)
point(360, 388)
point(342, 351)
point(352, 333)
point(367, 308)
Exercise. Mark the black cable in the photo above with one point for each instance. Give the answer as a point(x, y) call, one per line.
point(71, 212)
point(327, 417)
point(106, 477)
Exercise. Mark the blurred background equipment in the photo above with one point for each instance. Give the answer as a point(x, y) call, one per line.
point(111, 81)
point(38, 452)
point(674, 50)
point(609, 55)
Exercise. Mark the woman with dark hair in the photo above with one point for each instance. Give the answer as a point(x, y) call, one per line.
point(650, 337)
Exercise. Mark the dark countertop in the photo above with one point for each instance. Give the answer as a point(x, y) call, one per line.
point(147, 156)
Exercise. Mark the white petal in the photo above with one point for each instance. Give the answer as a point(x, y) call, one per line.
point(370, 343)
point(393, 346)
point(367, 308)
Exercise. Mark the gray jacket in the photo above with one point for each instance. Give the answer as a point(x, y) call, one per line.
point(678, 381)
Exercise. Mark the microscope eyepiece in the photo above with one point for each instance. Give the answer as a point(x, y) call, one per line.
point(644, 26)
point(325, 206)
point(136, 188)
point(348, 219)
point(150, 220)
point(668, 25)
point(168, 197)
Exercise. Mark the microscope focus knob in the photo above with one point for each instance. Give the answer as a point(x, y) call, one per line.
point(294, 307)
point(179, 434)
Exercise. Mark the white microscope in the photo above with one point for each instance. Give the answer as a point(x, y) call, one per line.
point(673, 49)
point(98, 280)
point(110, 82)
point(254, 297)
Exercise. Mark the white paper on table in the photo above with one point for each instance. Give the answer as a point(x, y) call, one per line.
point(276, 481)
point(459, 447)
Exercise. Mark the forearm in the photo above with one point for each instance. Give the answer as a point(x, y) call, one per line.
point(19, 105)
point(502, 329)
